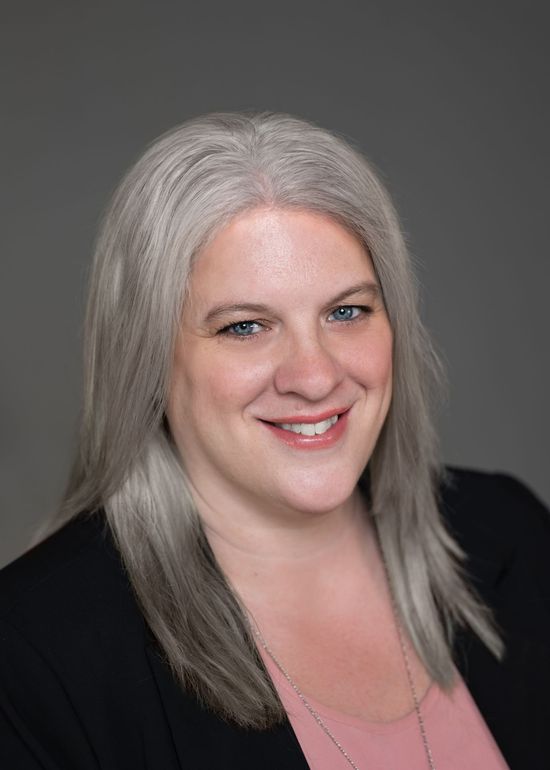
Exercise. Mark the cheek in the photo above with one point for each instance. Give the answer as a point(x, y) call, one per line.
point(213, 384)
point(373, 362)
point(383, 364)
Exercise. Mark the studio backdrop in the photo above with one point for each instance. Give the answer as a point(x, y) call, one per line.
point(449, 100)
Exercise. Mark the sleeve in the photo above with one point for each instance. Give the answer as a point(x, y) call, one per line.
point(39, 726)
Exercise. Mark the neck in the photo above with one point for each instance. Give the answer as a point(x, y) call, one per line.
point(280, 552)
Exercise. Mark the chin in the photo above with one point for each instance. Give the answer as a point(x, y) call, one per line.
point(319, 486)
point(320, 497)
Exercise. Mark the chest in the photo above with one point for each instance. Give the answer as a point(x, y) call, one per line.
point(354, 663)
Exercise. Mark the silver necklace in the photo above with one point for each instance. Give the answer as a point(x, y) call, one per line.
point(317, 717)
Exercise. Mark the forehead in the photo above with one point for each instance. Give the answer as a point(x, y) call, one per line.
point(274, 250)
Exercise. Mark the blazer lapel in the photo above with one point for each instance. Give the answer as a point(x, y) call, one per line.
point(505, 532)
point(512, 694)
point(204, 741)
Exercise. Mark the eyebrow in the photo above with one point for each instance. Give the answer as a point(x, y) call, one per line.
point(365, 287)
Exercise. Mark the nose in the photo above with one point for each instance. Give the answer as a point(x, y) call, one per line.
point(308, 368)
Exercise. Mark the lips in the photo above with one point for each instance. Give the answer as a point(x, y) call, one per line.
point(314, 431)
point(305, 419)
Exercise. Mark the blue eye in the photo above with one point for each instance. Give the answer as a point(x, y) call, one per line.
point(242, 328)
point(346, 313)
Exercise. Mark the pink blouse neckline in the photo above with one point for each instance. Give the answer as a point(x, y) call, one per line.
point(427, 703)
point(458, 734)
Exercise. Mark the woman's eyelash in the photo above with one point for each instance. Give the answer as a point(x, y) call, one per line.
point(246, 328)
point(240, 329)
point(344, 313)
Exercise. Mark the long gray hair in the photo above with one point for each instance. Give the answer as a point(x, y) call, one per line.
point(188, 185)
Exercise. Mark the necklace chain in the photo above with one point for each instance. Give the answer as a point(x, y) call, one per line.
point(304, 700)
point(317, 717)
point(418, 711)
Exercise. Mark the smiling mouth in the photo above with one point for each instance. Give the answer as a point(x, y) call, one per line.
point(319, 431)
point(308, 428)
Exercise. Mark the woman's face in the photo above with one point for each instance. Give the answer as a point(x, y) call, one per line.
point(282, 372)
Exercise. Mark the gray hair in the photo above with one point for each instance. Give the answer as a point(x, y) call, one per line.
point(184, 189)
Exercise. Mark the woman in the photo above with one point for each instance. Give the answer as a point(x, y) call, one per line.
point(259, 561)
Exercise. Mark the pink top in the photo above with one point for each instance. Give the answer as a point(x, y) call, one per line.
point(457, 734)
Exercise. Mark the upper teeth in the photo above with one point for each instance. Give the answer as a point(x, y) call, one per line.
point(308, 428)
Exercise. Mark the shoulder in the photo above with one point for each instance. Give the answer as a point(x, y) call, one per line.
point(72, 634)
point(60, 554)
point(504, 531)
point(68, 599)
point(74, 574)
point(477, 503)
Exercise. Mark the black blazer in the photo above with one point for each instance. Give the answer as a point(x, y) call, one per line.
point(83, 687)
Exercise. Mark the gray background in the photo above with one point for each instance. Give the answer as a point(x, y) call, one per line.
point(449, 100)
